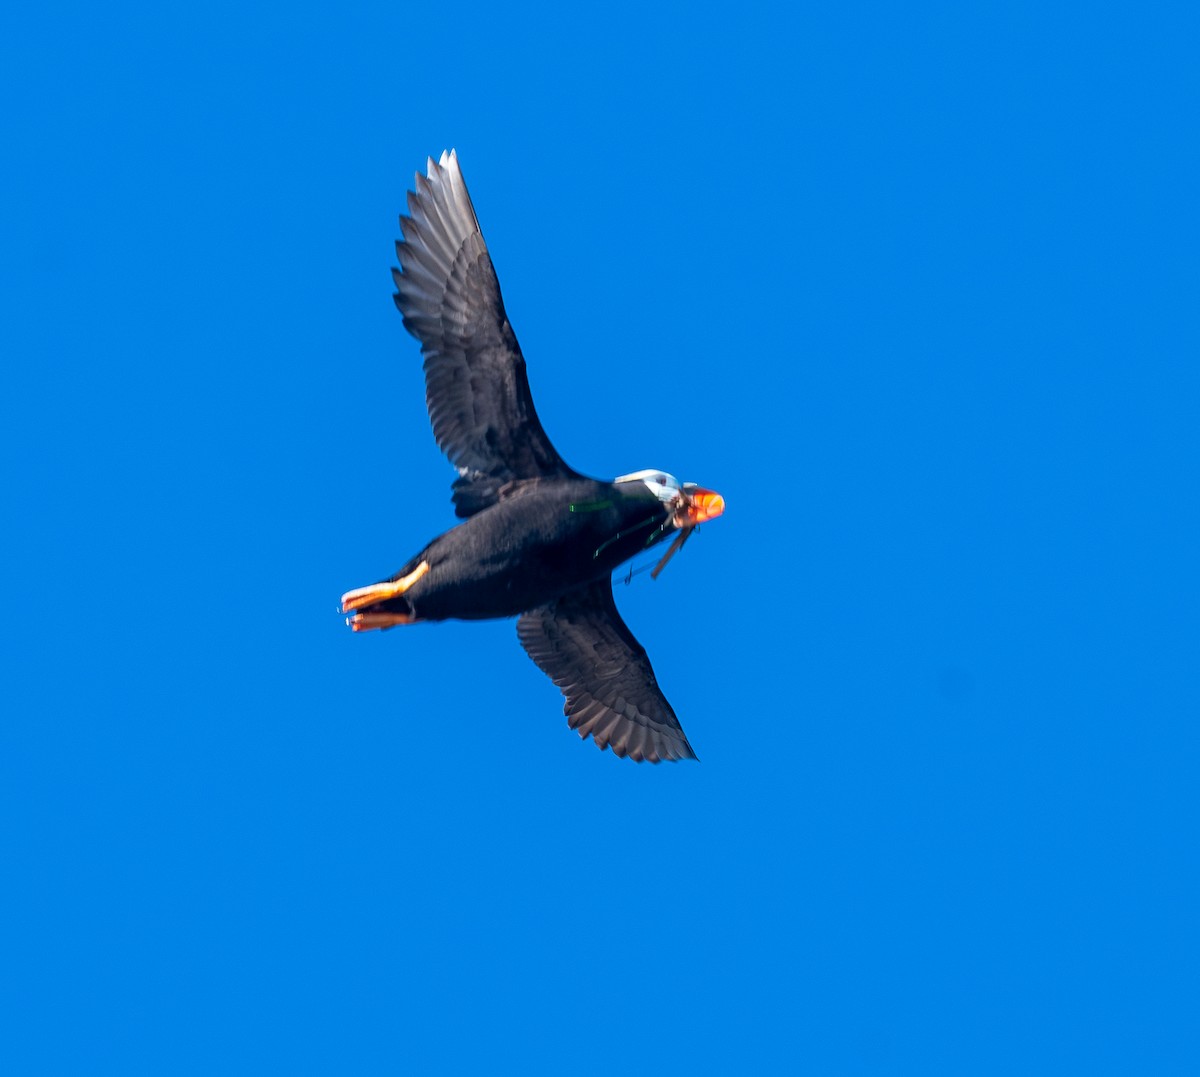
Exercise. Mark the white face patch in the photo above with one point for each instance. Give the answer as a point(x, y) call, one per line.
point(665, 487)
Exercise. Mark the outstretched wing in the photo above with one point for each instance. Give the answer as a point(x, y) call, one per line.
point(475, 383)
point(610, 688)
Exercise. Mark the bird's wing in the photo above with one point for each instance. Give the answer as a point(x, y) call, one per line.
point(475, 382)
point(610, 688)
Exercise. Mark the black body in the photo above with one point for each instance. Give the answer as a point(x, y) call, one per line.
point(547, 539)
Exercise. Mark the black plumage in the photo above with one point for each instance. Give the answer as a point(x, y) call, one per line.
point(539, 540)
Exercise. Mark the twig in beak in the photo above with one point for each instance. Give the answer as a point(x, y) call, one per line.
point(675, 547)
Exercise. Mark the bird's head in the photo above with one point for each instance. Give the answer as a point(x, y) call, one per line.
point(689, 505)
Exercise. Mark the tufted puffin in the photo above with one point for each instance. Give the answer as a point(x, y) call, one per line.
point(538, 541)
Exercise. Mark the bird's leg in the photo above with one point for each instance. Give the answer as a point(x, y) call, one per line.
point(381, 592)
point(364, 622)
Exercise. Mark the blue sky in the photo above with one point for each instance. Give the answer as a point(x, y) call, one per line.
point(915, 289)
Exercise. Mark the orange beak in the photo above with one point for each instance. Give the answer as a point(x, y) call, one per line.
point(702, 505)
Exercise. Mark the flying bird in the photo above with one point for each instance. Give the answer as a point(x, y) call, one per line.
point(538, 541)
